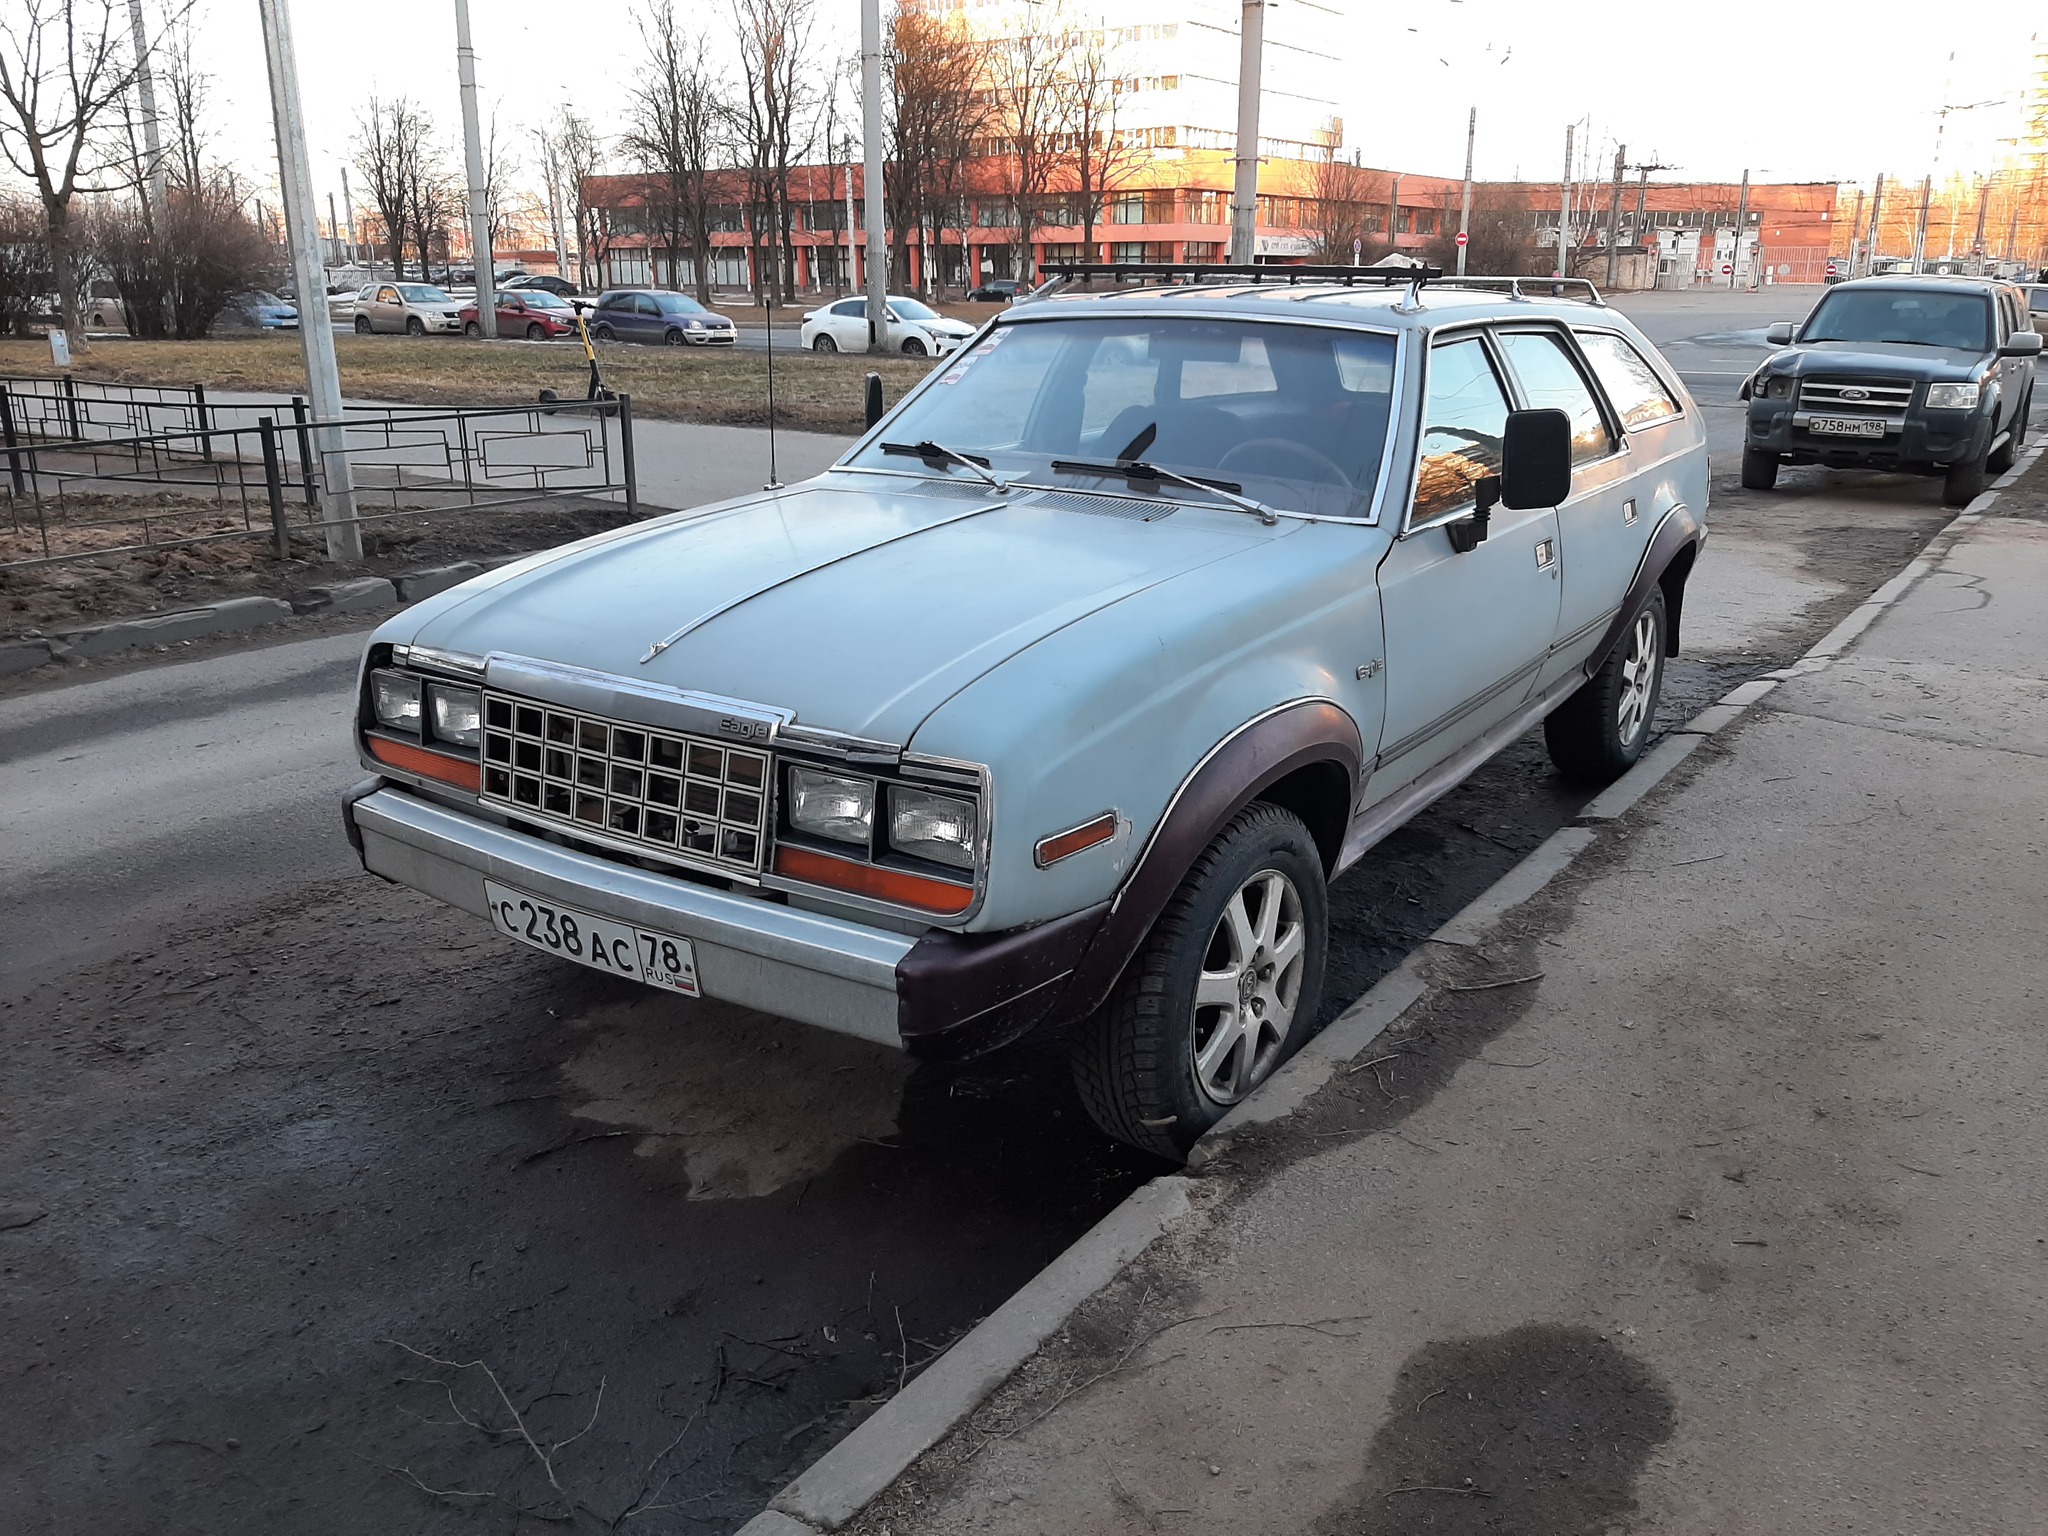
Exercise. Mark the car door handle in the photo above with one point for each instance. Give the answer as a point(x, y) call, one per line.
point(1546, 554)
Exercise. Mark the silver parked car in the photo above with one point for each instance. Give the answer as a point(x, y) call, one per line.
point(1062, 697)
point(416, 309)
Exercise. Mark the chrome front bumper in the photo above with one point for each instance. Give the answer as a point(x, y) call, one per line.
point(820, 970)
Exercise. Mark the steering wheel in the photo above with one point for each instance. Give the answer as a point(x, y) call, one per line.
point(1321, 468)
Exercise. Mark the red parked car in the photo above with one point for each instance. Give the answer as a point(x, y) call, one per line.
point(536, 316)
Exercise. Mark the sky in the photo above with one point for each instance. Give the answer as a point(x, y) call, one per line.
point(1797, 92)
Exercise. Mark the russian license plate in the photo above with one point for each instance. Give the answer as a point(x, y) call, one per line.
point(1845, 426)
point(659, 959)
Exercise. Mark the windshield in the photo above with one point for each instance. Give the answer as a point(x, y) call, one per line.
point(911, 309)
point(423, 293)
point(1294, 415)
point(678, 304)
point(1912, 316)
point(257, 296)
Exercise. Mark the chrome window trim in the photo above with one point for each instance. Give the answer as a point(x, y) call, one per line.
point(1430, 340)
point(1656, 364)
point(1532, 326)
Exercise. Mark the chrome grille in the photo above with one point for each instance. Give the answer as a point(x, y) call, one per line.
point(697, 801)
point(1868, 396)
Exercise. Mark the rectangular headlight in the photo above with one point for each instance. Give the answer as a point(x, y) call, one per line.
point(457, 714)
point(832, 805)
point(1951, 397)
point(395, 699)
point(941, 828)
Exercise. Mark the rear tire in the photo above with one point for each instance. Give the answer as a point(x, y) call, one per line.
point(1965, 482)
point(1598, 733)
point(2001, 459)
point(1221, 992)
point(1759, 469)
point(362, 325)
point(824, 344)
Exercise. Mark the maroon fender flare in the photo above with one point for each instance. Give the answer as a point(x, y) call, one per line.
point(1681, 530)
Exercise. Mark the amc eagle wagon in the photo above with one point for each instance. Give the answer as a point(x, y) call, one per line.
point(1059, 701)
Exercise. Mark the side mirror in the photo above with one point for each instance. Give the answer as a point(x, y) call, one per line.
point(2022, 344)
point(1535, 460)
point(1780, 335)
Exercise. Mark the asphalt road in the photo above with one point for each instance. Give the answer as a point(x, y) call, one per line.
point(298, 1169)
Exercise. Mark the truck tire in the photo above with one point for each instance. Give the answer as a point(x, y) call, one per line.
point(1759, 469)
point(1965, 482)
point(1598, 733)
point(1222, 991)
point(2001, 459)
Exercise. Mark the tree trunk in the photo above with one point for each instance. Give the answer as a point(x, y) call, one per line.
point(64, 267)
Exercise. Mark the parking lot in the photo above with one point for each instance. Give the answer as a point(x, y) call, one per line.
point(316, 1169)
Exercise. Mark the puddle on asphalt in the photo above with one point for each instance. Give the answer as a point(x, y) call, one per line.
point(741, 1103)
point(1542, 1430)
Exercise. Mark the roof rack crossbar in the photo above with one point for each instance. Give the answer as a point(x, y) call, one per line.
point(1580, 289)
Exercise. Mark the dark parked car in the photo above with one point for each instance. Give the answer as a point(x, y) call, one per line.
point(537, 316)
point(560, 287)
point(997, 290)
point(1929, 375)
point(657, 316)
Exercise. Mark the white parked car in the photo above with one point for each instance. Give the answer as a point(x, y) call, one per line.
point(910, 326)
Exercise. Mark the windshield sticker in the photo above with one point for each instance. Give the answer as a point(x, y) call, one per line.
point(966, 359)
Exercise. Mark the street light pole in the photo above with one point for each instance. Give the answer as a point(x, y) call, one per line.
point(1244, 205)
point(1735, 263)
point(316, 336)
point(1564, 206)
point(1876, 215)
point(1465, 204)
point(1920, 231)
point(871, 169)
point(481, 256)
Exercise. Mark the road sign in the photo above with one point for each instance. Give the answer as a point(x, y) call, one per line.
point(1463, 238)
point(1834, 270)
point(1727, 269)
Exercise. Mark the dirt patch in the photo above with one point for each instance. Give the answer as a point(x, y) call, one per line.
point(42, 598)
point(727, 386)
point(1541, 1430)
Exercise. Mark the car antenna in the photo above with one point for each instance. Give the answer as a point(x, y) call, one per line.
point(768, 312)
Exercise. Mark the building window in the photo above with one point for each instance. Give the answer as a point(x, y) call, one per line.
point(1127, 208)
point(1202, 250)
point(629, 269)
point(1205, 207)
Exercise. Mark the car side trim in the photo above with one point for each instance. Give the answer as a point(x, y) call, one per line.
point(1451, 717)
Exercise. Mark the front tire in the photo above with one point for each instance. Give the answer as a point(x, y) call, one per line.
point(673, 338)
point(913, 347)
point(536, 332)
point(1965, 482)
point(1222, 991)
point(1598, 733)
point(414, 326)
point(1759, 469)
point(603, 333)
point(824, 344)
point(473, 330)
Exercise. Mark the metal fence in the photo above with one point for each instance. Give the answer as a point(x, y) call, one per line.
point(78, 488)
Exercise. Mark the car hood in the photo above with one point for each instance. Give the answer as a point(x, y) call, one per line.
point(862, 607)
point(946, 327)
point(1882, 357)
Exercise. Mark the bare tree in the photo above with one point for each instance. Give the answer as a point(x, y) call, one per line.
point(676, 121)
point(1501, 237)
point(390, 140)
point(580, 156)
point(938, 110)
point(1027, 119)
point(1099, 158)
point(1348, 203)
point(66, 68)
point(24, 260)
point(775, 120)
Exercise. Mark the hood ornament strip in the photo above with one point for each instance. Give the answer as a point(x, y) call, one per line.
point(810, 570)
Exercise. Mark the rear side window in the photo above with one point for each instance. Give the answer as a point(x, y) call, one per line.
point(1465, 418)
point(1639, 396)
point(1551, 381)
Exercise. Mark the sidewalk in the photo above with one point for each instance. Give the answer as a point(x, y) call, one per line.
point(1734, 1220)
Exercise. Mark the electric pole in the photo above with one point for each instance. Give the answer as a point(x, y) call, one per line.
point(316, 336)
point(482, 257)
point(348, 206)
point(871, 171)
point(1394, 214)
point(1983, 207)
point(1876, 226)
point(1564, 206)
point(1244, 207)
point(1614, 213)
point(1735, 261)
point(1642, 208)
point(145, 86)
point(1465, 205)
point(1920, 231)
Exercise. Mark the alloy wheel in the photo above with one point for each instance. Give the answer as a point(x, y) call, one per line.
point(1638, 678)
point(1249, 987)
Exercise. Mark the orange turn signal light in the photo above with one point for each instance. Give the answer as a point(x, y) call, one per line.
point(873, 881)
point(1063, 845)
point(459, 771)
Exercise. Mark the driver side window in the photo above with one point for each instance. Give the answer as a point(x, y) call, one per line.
point(1464, 420)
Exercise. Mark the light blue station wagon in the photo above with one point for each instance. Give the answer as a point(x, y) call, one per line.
point(1059, 700)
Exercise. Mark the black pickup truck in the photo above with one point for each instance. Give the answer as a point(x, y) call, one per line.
point(1928, 375)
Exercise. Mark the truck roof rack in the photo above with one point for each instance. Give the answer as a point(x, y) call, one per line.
point(1414, 279)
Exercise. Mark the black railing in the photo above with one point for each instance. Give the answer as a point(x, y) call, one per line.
point(73, 498)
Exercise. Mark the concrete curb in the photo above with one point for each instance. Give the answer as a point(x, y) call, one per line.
point(235, 613)
point(861, 1466)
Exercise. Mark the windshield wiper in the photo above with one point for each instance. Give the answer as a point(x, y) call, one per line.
point(940, 453)
point(1139, 469)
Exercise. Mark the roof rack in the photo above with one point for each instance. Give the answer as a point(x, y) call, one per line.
point(1414, 279)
